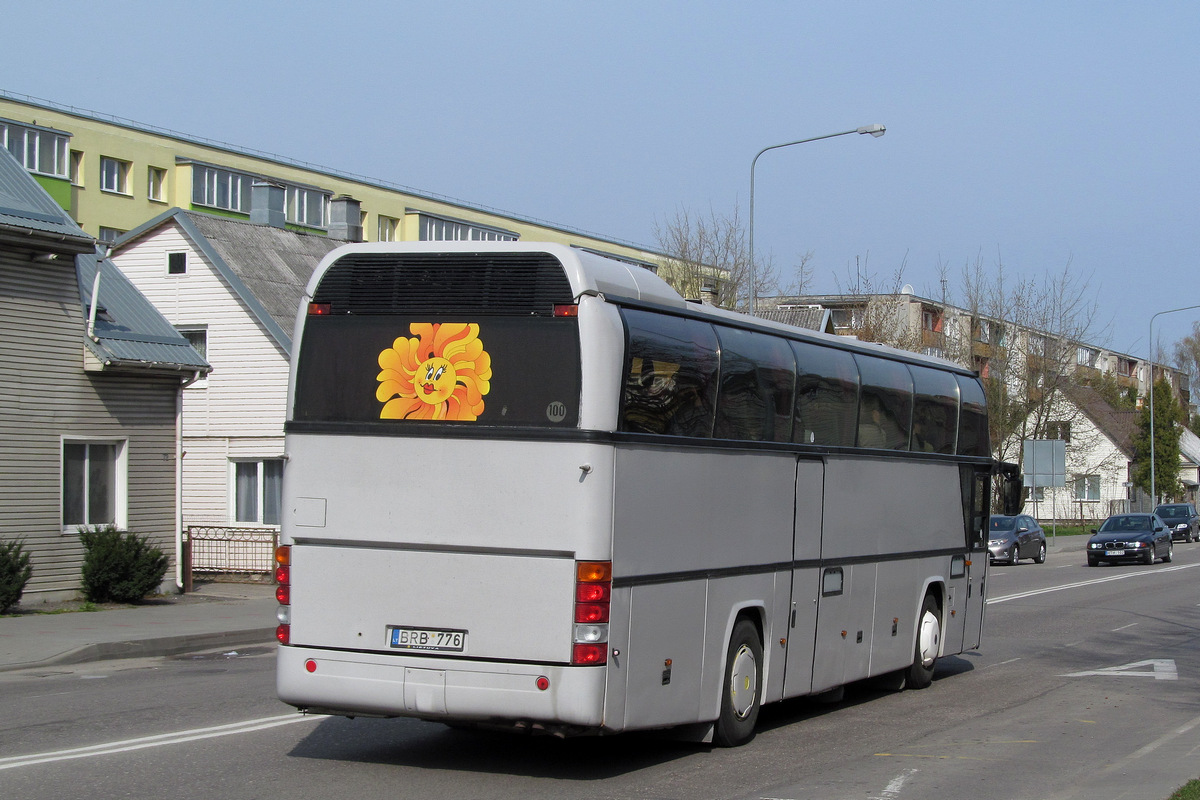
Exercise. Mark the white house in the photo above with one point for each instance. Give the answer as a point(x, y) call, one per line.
point(232, 288)
point(1099, 451)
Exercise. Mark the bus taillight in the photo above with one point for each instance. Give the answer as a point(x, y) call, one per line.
point(566, 311)
point(593, 593)
point(283, 593)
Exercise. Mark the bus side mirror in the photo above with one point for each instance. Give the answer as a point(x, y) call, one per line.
point(1011, 488)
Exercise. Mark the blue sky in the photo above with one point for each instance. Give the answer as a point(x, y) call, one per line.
point(1039, 134)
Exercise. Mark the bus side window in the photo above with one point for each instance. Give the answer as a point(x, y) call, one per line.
point(885, 413)
point(758, 374)
point(972, 419)
point(935, 410)
point(671, 381)
point(826, 396)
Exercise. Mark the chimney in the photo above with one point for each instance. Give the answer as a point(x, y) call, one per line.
point(345, 216)
point(708, 293)
point(266, 204)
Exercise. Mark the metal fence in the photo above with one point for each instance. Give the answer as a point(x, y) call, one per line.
point(217, 548)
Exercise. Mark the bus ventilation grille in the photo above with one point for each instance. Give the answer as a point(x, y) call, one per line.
point(452, 283)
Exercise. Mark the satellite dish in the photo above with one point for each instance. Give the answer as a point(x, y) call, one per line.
point(906, 289)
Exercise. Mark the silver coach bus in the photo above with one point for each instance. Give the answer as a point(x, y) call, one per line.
point(531, 486)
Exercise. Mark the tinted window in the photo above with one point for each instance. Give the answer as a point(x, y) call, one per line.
point(826, 396)
point(1003, 523)
point(935, 410)
point(671, 375)
point(757, 378)
point(885, 410)
point(398, 369)
point(972, 419)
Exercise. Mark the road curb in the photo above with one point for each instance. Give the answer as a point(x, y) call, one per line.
point(150, 648)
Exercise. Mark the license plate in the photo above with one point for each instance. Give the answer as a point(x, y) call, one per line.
point(1114, 552)
point(429, 639)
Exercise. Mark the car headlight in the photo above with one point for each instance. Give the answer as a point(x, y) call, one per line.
point(994, 542)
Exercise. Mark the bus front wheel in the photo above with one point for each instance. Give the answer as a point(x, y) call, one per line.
point(741, 693)
point(929, 642)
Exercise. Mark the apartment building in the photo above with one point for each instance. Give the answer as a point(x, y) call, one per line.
point(112, 175)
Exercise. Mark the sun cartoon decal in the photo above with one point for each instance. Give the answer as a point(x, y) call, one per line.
point(442, 373)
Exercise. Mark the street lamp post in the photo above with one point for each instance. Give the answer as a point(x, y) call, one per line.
point(1153, 485)
point(875, 130)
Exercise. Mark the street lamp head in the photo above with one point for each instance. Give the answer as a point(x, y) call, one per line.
point(875, 130)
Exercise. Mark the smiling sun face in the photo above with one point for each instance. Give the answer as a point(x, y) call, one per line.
point(441, 374)
point(435, 381)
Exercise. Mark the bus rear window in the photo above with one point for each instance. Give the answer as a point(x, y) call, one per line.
point(510, 371)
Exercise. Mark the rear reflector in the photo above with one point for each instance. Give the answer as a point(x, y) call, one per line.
point(566, 311)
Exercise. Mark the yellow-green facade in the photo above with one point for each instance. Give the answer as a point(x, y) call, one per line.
point(148, 171)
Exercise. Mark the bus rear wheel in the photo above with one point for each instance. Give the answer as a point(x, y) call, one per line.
point(929, 642)
point(741, 693)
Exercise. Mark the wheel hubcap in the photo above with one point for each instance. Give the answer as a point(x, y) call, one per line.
point(743, 682)
point(929, 637)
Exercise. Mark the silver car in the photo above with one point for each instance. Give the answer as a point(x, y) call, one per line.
point(1012, 538)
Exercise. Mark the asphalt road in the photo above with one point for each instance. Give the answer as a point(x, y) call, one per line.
point(1085, 687)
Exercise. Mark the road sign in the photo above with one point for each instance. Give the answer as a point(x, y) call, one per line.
point(1044, 462)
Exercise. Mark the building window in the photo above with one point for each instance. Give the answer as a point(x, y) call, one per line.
point(389, 228)
point(76, 167)
point(1086, 487)
point(37, 149)
point(176, 263)
point(1087, 356)
point(109, 235)
point(197, 338)
point(1035, 494)
point(93, 484)
point(307, 207)
point(257, 491)
point(156, 184)
point(436, 229)
point(114, 175)
point(1126, 367)
point(1058, 430)
point(221, 188)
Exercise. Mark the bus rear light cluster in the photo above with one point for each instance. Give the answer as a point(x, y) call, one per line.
point(593, 595)
point(283, 593)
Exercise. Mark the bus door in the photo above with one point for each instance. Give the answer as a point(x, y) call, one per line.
point(968, 573)
point(806, 577)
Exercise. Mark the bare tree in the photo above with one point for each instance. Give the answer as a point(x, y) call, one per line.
point(713, 251)
point(881, 315)
point(1023, 336)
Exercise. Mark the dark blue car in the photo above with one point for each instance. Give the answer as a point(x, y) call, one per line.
point(1136, 538)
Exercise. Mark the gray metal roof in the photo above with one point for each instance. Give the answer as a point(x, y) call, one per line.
point(26, 209)
point(813, 318)
point(130, 332)
point(266, 267)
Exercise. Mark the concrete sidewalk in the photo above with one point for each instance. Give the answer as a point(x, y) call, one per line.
point(215, 615)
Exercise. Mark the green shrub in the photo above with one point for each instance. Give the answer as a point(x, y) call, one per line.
point(119, 567)
point(14, 573)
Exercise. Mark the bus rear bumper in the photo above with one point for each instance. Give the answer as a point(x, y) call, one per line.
point(373, 684)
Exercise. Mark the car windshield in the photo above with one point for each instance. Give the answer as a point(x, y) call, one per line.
point(1126, 523)
point(1170, 512)
point(1004, 523)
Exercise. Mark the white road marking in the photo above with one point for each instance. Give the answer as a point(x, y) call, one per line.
point(140, 743)
point(1123, 627)
point(1076, 585)
point(1161, 669)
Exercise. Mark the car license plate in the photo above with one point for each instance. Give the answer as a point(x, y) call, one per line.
point(1114, 552)
point(430, 639)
